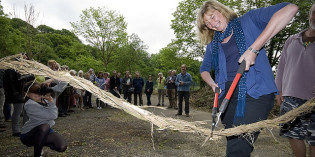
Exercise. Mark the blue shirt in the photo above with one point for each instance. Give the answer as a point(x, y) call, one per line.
point(260, 79)
point(232, 56)
point(186, 78)
point(100, 82)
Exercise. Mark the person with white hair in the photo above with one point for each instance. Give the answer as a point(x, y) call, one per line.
point(161, 88)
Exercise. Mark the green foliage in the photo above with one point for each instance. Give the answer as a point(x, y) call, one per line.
point(1, 9)
point(45, 29)
point(184, 26)
point(103, 29)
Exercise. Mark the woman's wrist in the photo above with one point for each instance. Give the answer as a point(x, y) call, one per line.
point(253, 50)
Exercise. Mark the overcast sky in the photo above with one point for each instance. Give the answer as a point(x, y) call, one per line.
point(149, 19)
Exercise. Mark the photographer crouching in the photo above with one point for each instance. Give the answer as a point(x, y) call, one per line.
point(40, 106)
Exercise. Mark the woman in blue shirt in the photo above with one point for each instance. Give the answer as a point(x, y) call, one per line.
point(230, 40)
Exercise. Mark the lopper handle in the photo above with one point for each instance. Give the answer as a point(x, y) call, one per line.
point(215, 103)
point(227, 98)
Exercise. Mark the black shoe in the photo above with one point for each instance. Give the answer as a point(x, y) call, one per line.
point(2, 126)
point(62, 115)
point(17, 134)
point(158, 105)
point(67, 114)
point(178, 114)
point(162, 104)
point(70, 111)
point(187, 114)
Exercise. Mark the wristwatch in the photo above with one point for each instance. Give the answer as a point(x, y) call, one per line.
point(253, 50)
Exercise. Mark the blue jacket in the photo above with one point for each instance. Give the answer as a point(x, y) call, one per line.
point(186, 79)
point(138, 84)
point(260, 79)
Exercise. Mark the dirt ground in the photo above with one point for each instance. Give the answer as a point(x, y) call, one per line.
point(112, 132)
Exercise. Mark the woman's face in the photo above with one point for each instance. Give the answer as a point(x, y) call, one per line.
point(34, 96)
point(214, 20)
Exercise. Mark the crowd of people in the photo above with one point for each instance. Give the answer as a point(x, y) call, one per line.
point(24, 91)
point(41, 100)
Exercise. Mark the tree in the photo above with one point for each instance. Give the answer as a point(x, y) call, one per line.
point(131, 56)
point(102, 28)
point(30, 17)
point(184, 26)
point(1, 9)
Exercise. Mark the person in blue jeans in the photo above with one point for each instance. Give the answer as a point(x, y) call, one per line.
point(183, 81)
point(230, 40)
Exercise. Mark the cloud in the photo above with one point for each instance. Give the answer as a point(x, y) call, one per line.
point(149, 19)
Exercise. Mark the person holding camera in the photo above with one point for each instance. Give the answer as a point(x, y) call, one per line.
point(41, 109)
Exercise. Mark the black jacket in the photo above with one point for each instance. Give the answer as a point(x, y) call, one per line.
point(114, 82)
point(13, 83)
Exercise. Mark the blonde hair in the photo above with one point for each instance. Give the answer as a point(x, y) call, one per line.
point(205, 34)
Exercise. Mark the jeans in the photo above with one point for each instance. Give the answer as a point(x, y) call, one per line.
point(181, 95)
point(255, 110)
point(7, 110)
point(17, 110)
point(148, 98)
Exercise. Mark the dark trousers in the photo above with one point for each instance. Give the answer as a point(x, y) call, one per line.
point(127, 96)
point(255, 110)
point(148, 98)
point(115, 93)
point(87, 99)
point(63, 104)
point(181, 95)
point(99, 103)
point(7, 110)
point(135, 95)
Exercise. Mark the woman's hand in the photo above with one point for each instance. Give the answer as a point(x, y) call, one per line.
point(48, 98)
point(207, 78)
point(249, 58)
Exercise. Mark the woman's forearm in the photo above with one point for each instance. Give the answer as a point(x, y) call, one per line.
point(277, 22)
point(208, 79)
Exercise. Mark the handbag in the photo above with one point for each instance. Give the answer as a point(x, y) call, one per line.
point(131, 89)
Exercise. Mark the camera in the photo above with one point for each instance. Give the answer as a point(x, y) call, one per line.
point(45, 90)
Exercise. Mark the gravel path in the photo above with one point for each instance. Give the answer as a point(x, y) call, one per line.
point(111, 132)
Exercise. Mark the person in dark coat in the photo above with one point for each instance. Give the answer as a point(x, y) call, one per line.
point(114, 83)
point(138, 84)
point(148, 89)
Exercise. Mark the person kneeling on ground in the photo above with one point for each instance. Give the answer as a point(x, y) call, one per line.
point(41, 110)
